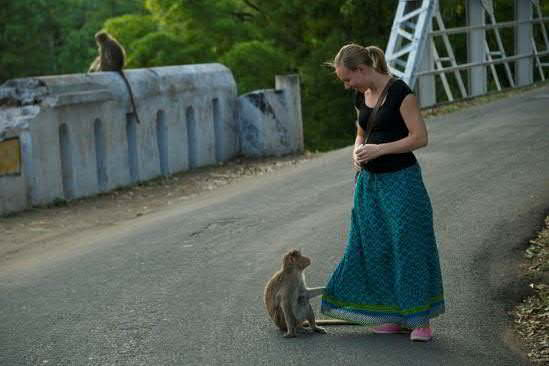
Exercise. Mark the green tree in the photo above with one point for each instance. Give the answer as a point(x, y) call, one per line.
point(128, 28)
point(28, 37)
point(40, 37)
point(162, 48)
point(254, 64)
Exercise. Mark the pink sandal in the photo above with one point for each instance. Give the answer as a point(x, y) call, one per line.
point(390, 329)
point(422, 334)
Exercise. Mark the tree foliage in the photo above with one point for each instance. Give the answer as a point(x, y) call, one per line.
point(254, 64)
point(40, 37)
point(162, 49)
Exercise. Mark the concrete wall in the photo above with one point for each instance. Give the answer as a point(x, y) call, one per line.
point(271, 120)
point(79, 138)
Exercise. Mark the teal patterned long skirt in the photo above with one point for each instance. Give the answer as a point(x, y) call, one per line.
point(390, 271)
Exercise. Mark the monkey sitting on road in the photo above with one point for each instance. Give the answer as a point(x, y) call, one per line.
point(287, 297)
point(112, 57)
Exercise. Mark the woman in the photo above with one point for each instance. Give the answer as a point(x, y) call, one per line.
point(389, 276)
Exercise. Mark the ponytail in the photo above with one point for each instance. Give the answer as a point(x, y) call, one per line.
point(352, 55)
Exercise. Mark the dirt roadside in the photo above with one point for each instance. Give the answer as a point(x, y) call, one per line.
point(531, 316)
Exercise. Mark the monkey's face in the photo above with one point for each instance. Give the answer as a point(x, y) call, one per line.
point(294, 259)
point(101, 37)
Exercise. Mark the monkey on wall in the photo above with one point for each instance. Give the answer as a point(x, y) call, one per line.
point(112, 57)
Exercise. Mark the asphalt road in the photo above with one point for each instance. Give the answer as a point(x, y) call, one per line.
point(184, 286)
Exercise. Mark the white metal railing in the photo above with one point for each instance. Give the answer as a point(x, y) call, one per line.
point(512, 23)
point(485, 63)
point(412, 52)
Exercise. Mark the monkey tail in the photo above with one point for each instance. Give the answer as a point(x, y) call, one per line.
point(330, 322)
point(131, 94)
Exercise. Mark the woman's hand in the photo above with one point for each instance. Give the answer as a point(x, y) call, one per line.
point(364, 153)
point(356, 164)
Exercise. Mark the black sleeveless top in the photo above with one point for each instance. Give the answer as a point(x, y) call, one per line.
point(389, 127)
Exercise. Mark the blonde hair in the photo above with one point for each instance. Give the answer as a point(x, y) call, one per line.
point(352, 55)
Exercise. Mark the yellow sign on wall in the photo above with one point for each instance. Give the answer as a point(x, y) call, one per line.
point(10, 157)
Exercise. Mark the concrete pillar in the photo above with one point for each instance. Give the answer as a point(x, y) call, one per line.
point(290, 85)
point(524, 71)
point(25, 139)
point(476, 52)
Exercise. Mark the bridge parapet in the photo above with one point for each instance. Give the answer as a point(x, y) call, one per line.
point(70, 136)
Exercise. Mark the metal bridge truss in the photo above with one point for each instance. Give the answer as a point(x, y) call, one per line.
point(414, 54)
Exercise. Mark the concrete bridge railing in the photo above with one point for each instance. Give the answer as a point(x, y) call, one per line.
point(70, 136)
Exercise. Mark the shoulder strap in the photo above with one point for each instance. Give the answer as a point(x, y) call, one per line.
point(371, 118)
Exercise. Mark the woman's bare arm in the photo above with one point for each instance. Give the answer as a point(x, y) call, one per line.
point(417, 134)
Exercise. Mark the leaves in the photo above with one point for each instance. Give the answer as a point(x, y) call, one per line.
point(531, 317)
point(128, 28)
point(255, 64)
point(162, 48)
point(43, 38)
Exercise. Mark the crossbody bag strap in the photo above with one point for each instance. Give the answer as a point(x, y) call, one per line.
point(372, 116)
